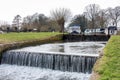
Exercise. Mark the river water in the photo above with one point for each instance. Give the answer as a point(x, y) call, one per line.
point(72, 48)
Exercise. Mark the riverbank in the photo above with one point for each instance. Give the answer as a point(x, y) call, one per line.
point(108, 67)
point(7, 38)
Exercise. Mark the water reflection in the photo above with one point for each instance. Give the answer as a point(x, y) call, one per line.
point(74, 47)
point(61, 49)
point(91, 48)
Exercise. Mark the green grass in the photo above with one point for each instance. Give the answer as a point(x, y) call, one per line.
point(109, 65)
point(17, 37)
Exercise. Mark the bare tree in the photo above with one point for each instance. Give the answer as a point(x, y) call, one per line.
point(61, 15)
point(114, 15)
point(102, 19)
point(4, 26)
point(35, 21)
point(16, 22)
point(40, 21)
point(27, 23)
point(53, 26)
point(92, 12)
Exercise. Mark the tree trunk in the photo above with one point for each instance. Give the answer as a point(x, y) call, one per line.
point(116, 23)
point(62, 28)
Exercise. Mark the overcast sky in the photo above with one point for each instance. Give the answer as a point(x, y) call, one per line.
point(10, 8)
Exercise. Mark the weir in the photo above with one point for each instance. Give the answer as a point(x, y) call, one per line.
point(72, 63)
point(72, 57)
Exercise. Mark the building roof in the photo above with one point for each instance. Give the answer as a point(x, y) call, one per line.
point(112, 27)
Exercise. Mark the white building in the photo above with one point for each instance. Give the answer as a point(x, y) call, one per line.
point(74, 29)
point(111, 30)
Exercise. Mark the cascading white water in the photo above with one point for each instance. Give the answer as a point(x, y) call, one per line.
point(14, 72)
point(70, 63)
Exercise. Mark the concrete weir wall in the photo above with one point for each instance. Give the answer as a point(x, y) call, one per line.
point(54, 61)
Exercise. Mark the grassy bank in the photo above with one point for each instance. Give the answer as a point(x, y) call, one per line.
point(18, 37)
point(108, 67)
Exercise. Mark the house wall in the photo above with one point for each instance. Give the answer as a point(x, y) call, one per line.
point(110, 32)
